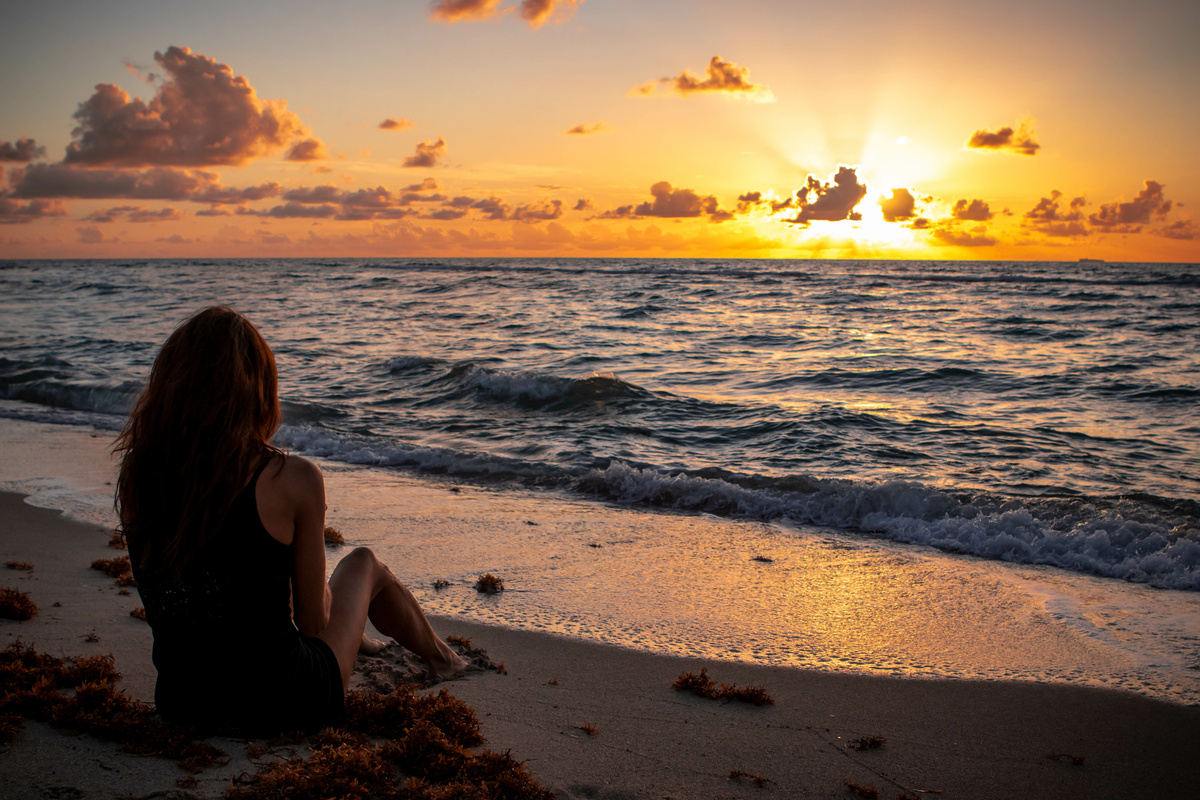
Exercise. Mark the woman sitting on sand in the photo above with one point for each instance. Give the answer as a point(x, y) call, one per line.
point(226, 539)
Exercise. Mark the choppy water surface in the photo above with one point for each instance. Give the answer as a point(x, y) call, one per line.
point(1035, 413)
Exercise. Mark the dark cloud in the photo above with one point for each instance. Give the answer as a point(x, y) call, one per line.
point(393, 124)
point(902, 205)
point(492, 207)
point(292, 211)
point(92, 235)
point(1050, 219)
point(13, 212)
point(60, 180)
point(307, 150)
point(1019, 141)
point(719, 76)
point(448, 213)
point(588, 128)
point(23, 149)
point(538, 12)
point(426, 185)
point(1182, 229)
point(1129, 217)
point(973, 210)
point(670, 202)
point(582, 204)
point(537, 212)
point(428, 153)
point(830, 202)
point(201, 115)
point(174, 239)
point(133, 214)
point(221, 195)
point(314, 194)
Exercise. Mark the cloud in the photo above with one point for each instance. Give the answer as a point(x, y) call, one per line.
point(974, 211)
point(24, 149)
point(227, 194)
point(538, 12)
point(1129, 217)
point(92, 235)
point(393, 124)
point(60, 180)
point(307, 150)
point(902, 205)
point(133, 214)
point(174, 239)
point(832, 201)
point(1049, 219)
point(14, 213)
point(428, 153)
point(719, 76)
point(426, 185)
point(451, 11)
point(582, 204)
point(672, 203)
point(535, 12)
point(201, 115)
point(977, 237)
point(1020, 141)
point(588, 129)
point(292, 211)
point(537, 212)
point(1182, 229)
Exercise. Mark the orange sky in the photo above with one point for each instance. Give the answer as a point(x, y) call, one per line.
point(932, 130)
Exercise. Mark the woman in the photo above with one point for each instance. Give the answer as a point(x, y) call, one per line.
point(226, 539)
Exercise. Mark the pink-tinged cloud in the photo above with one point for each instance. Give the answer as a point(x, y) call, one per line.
point(133, 214)
point(226, 195)
point(972, 210)
point(719, 76)
point(314, 194)
point(309, 149)
point(201, 115)
point(1019, 141)
point(60, 180)
point(428, 153)
point(977, 237)
point(13, 212)
point(22, 150)
point(538, 12)
point(832, 201)
point(1129, 217)
point(1181, 229)
point(588, 129)
point(451, 11)
point(902, 205)
point(393, 124)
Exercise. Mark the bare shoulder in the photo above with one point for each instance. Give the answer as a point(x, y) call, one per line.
point(294, 475)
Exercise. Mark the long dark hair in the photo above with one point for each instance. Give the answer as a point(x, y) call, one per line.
point(198, 431)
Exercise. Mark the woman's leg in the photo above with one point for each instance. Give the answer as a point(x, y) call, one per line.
point(362, 588)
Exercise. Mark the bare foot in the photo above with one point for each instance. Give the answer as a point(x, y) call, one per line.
point(369, 646)
point(447, 664)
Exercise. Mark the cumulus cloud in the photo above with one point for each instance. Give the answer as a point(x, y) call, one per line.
point(1129, 217)
point(976, 237)
point(224, 195)
point(307, 150)
point(23, 149)
point(60, 180)
point(902, 205)
point(1019, 140)
point(582, 204)
point(536, 13)
point(670, 202)
point(133, 214)
point(719, 76)
point(393, 124)
point(201, 115)
point(13, 212)
point(537, 212)
point(831, 201)
point(451, 11)
point(587, 129)
point(428, 153)
point(973, 210)
point(1049, 218)
point(92, 235)
point(1182, 229)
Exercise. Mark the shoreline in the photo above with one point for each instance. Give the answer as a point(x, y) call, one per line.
point(959, 738)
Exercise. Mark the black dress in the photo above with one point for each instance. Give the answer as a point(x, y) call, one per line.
point(228, 655)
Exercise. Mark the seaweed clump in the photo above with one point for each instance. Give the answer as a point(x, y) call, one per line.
point(116, 568)
point(24, 566)
point(419, 752)
point(869, 792)
point(80, 694)
point(333, 537)
point(489, 584)
point(703, 686)
point(867, 743)
point(737, 775)
point(16, 605)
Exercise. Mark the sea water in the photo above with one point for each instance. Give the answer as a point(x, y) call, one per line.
point(982, 470)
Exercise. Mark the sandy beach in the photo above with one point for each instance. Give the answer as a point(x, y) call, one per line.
point(949, 739)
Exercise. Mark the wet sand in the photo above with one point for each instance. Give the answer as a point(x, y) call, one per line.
point(946, 739)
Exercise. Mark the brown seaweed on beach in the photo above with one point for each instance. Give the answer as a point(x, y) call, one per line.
point(869, 792)
point(440, 584)
point(21, 565)
point(117, 540)
point(702, 686)
point(867, 743)
point(588, 728)
point(489, 584)
point(16, 605)
point(37, 686)
point(333, 537)
point(116, 568)
point(737, 774)
point(1076, 760)
point(138, 613)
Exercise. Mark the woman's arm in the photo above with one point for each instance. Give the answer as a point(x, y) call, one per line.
point(293, 511)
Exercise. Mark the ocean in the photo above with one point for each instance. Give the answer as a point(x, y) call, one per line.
point(964, 469)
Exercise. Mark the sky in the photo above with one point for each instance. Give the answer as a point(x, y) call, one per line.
point(601, 128)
